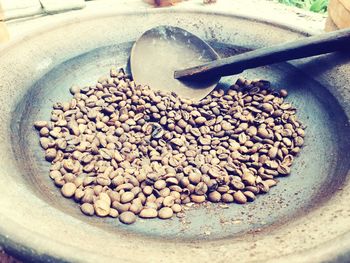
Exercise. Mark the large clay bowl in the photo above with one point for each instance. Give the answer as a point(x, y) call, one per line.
point(306, 217)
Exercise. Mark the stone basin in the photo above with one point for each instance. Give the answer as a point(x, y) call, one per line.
point(306, 216)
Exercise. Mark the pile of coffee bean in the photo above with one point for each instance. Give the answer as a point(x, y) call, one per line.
point(121, 149)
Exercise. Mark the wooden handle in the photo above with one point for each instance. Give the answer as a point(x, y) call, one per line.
point(307, 47)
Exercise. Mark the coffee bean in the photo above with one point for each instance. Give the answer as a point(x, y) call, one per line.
point(102, 208)
point(121, 207)
point(69, 177)
point(127, 197)
point(55, 174)
point(263, 186)
point(197, 198)
point(147, 190)
point(119, 131)
point(201, 188)
point(214, 196)
point(160, 184)
point(172, 181)
point(263, 133)
point(113, 213)
point(102, 180)
point(148, 213)
point(194, 177)
point(127, 218)
point(252, 131)
point(68, 165)
point(200, 120)
point(195, 132)
point(270, 182)
point(46, 143)
point(287, 142)
point(226, 126)
point(227, 198)
point(165, 213)
point(68, 190)
point(40, 124)
point(177, 142)
point(250, 195)
point(74, 89)
point(298, 141)
point(267, 107)
point(239, 197)
point(161, 106)
point(248, 178)
point(87, 209)
point(44, 132)
point(283, 93)
point(98, 189)
point(169, 201)
point(283, 170)
point(273, 152)
point(151, 204)
point(123, 117)
point(79, 193)
point(50, 154)
point(182, 123)
point(88, 196)
point(176, 208)
point(214, 172)
point(136, 208)
point(205, 140)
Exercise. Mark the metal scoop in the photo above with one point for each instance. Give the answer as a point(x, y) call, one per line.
point(162, 50)
point(166, 58)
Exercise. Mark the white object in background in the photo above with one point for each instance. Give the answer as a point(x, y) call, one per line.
point(24, 8)
point(20, 8)
point(56, 6)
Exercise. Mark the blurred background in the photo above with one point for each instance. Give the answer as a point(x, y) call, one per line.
point(336, 13)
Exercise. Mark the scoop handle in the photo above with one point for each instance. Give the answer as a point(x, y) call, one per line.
point(306, 47)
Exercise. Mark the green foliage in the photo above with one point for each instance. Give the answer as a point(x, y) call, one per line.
point(318, 6)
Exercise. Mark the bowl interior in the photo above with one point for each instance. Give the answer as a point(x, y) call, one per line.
point(319, 170)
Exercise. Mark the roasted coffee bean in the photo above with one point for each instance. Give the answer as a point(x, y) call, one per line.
point(197, 198)
point(40, 124)
point(194, 177)
point(239, 197)
point(113, 213)
point(250, 195)
point(121, 207)
point(169, 201)
point(176, 208)
point(148, 213)
point(214, 196)
point(124, 150)
point(102, 208)
point(127, 197)
point(227, 198)
point(68, 189)
point(50, 154)
point(87, 209)
point(165, 213)
point(127, 217)
point(283, 93)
